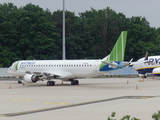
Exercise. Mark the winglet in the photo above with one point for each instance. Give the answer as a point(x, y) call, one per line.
point(117, 53)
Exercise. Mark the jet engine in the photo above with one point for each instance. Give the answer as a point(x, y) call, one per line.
point(156, 71)
point(31, 78)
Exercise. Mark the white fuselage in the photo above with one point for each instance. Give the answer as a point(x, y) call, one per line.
point(70, 68)
point(143, 68)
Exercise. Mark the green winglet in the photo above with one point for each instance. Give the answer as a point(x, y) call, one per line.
point(117, 53)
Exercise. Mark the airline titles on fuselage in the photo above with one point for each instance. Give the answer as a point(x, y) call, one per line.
point(154, 61)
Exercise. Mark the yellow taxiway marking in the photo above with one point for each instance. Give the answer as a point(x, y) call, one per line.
point(141, 97)
point(57, 103)
point(23, 99)
point(152, 98)
point(147, 97)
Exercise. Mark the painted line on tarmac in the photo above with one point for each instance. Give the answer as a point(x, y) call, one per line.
point(73, 105)
point(140, 97)
point(23, 99)
point(57, 103)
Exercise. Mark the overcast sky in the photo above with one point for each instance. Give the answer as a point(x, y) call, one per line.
point(150, 9)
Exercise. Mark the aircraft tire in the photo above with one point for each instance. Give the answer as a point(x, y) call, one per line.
point(48, 83)
point(72, 82)
point(76, 82)
point(52, 83)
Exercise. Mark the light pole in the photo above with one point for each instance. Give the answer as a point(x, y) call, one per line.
point(63, 44)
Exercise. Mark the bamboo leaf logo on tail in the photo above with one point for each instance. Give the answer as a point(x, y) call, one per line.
point(117, 53)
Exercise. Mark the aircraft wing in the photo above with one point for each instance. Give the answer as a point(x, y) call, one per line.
point(60, 74)
point(114, 64)
point(35, 73)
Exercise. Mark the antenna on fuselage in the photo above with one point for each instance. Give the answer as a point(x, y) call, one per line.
point(63, 44)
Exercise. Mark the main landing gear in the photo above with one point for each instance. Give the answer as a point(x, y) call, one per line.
point(74, 82)
point(50, 83)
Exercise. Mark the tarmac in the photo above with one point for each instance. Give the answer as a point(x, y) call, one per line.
point(92, 99)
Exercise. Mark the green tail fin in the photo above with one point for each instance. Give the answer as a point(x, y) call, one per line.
point(117, 53)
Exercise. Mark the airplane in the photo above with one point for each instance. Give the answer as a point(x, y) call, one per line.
point(147, 64)
point(69, 70)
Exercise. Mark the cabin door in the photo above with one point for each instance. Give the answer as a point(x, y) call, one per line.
point(96, 66)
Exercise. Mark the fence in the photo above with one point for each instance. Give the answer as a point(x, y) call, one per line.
point(3, 72)
point(124, 71)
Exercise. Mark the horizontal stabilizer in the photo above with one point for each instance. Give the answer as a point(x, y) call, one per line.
point(114, 64)
point(111, 65)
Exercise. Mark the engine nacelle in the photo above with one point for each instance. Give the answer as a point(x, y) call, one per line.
point(30, 78)
point(156, 71)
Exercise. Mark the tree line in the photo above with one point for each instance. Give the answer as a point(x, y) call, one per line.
point(30, 32)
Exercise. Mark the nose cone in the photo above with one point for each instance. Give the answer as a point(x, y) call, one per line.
point(9, 71)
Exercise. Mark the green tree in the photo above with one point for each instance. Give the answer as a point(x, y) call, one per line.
point(27, 33)
point(37, 35)
point(79, 42)
point(8, 33)
point(126, 117)
point(156, 116)
point(105, 27)
point(141, 38)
